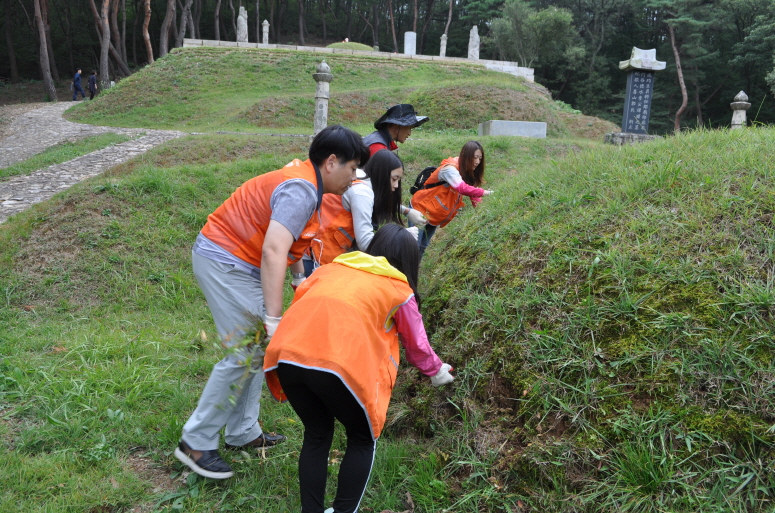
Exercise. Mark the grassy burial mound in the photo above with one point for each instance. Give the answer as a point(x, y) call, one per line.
point(208, 89)
point(612, 319)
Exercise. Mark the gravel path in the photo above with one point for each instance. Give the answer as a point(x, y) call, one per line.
point(25, 132)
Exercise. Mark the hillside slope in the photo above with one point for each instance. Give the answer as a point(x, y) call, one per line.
point(211, 89)
point(612, 318)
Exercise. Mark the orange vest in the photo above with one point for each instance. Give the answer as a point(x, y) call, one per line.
point(240, 223)
point(438, 204)
point(341, 321)
point(337, 233)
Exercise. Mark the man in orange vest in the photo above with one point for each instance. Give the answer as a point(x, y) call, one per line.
point(240, 259)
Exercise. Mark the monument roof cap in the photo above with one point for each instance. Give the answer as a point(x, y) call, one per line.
point(642, 60)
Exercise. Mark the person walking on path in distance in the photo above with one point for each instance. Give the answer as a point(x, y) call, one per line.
point(77, 86)
point(240, 259)
point(395, 126)
point(348, 221)
point(441, 197)
point(92, 85)
point(335, 356)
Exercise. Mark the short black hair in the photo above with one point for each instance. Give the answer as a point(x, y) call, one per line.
point(340, 141)
point(399, 247)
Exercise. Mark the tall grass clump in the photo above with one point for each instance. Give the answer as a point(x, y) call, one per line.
point(617, 305)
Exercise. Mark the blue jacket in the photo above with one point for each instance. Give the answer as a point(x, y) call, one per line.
point(77, 79)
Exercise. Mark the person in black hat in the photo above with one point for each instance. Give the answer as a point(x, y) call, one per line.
point(394, 126)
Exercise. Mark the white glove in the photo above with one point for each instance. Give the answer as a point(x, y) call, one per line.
point(415, 217)
point(297, 280)
point(415, 231)
point(270, 325)
point(443, 376)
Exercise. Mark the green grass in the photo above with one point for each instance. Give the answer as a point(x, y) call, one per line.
point(272, 91)
point(62, 153)
point(351, 46)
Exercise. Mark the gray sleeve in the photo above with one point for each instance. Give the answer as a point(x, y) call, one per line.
point(450, 175)
point(361, 204)
point(293, 202)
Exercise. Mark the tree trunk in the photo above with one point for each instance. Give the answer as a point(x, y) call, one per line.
point(414, 20)
point(679, 72)
point(449, 18)
point(322, 5)
point(49, 43)
point(393, 26)
point(184, 23)
point(45, 70)
point(9, 43)
point(258, 24)
point(428, 17)
point(105, 45)
point(217, 20)
point(115, 34)
point(135, 24)
point(146, 36)
point(233, 20)
point(164, 37)
point(123, 32)
point(197, 19)
point(300, 3)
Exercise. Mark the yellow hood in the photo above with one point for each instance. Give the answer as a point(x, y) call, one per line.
point(371, 264)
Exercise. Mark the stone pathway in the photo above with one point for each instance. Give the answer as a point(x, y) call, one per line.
point(32, 132)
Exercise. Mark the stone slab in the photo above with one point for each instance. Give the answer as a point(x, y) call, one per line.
point(323, 50)
point(286, 47)
point(423, 57)
point(622, 138)
point(245, 44)
point(342, 50)
point(210, 42)
point(228, 44)
point(534, 129)
point(192, 42)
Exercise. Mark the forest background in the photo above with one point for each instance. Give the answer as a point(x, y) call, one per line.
point(713, 48)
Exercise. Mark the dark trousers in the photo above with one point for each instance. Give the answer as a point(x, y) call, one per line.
point(425, 235)
point(92, 92)
point(320, 397)
point(78, 89)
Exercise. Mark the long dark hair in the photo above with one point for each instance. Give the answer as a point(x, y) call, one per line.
point(399, 247)
point(387, 202)
point(470, 174)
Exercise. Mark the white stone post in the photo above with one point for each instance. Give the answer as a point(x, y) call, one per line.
point(739, 106)
point(323, 77)
point(410, 43)
point(473, 44)
point(443, 50)
point(265, 32)
point(242, 25)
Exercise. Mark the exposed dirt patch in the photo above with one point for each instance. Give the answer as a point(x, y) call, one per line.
point(588, 127)
point(158, 477)
point(31, 91)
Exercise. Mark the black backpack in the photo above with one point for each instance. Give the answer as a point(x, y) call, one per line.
point(419, 182)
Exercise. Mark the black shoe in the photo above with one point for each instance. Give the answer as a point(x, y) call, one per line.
point(210, 464)
point(265, 441)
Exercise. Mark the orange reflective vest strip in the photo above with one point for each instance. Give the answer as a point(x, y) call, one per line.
point(239, 224)
point(337, 233)
point(341, 321)
point(439, 204)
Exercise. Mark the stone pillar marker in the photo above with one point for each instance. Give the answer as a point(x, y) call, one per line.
point(473, 44)
point(323, 77)
point(410, 43)
point(640, 68)
point(739, 106)
point(242, 25)
point(443, 49)
point(265, 32)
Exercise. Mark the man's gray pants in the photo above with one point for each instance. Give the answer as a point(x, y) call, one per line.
point(231, 396)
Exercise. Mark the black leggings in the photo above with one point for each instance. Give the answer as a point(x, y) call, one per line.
point(318, 398)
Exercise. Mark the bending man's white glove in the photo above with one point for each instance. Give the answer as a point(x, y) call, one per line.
point(443, 376)
point(270, 325)
point(297, 280)
point(415, 217)
point(415, 231)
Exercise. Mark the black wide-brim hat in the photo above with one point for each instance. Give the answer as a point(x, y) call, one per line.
point(402, 114)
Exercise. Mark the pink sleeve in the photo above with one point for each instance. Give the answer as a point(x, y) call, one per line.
point(475, 201)
point(411, 331)
point(468, 190)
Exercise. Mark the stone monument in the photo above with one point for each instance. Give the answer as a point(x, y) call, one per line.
point(265, 32)
point(739, 106)
point(640, 68)
point(242, 25)
point(410, 43)
point(443, 49)
point(323, 77)
point(473, 44)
